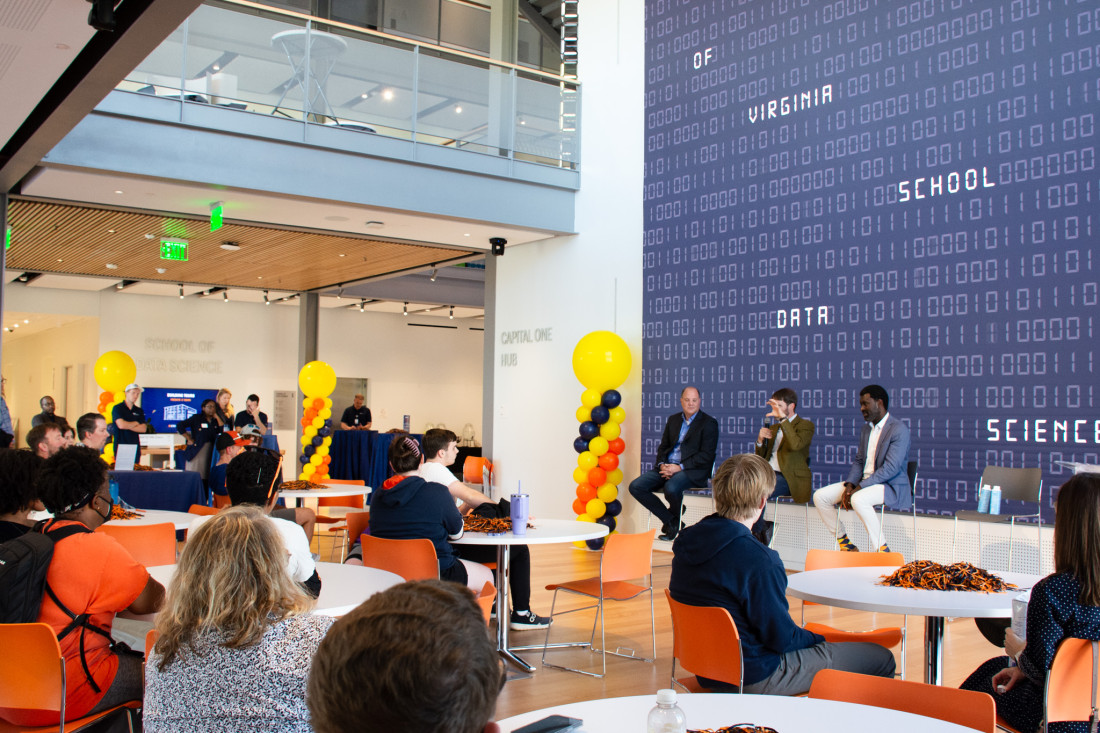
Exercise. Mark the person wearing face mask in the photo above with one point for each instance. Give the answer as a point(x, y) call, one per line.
point(90, 573)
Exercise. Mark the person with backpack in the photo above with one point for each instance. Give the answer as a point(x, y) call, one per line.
point(90, 578)
point(18, 471)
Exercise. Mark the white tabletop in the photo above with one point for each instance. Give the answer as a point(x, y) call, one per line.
point(857, 588)
point(713, 710)
point(181, 520)
point(544, 532)
point(329, 490)
point(343, 587)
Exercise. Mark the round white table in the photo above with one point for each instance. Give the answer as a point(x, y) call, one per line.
point(180, 520)
point(330, 490)
point(714, 710)
point(544, 532)
point(858, 589)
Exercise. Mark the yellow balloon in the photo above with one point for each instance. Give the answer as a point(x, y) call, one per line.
point(584, 413)
point(598, 446)
point(595, 508)
point(580, 544)
point(306, 440)
point(113, 370)
point(607, 493)
point(326, 441)
point(601, 360)
point(119, 396)
point(307, 402)
point(585, 517)
point(308, 469)
point(325, 414)
point(328, 403)
point(317, 379)
point(322, 450)
point(615, 477)
point(109, 452)
point(318, 423)
point(303, 476)
point(580, 475)
point(309, 432)
point(590, 398)
point(587, 460)
point(618, 414)
point(315, 459)
point(610, 430)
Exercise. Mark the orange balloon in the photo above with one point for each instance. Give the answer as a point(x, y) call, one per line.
point(609, 461)
point(319, 403)
point(310, 414)
point(306, 422)
point(586, 492)
point(326, 460)
point(108, 396)
point(597, 476)
point(579, 506)
point(616, 446)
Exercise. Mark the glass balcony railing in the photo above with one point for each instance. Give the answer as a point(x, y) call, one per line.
point(324, 73)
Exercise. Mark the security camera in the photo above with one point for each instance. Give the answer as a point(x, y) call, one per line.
point(497, 243)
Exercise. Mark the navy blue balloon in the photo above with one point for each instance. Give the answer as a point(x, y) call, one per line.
point(308, 450)
point(317, 440)
point(600, 414)
point(611, 398)
point(328, 424)
point(607, 521)
point(325, 431)
point(589, 430)
point(580, 445)
point(595, 544)
point(304, 458)
point(614, 508)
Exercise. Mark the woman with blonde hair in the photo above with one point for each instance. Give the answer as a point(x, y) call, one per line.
point(223, 411)
point(236, 637)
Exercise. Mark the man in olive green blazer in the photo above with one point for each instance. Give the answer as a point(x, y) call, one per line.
point(785, 444)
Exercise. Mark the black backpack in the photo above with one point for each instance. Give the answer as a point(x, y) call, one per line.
point(24, 562)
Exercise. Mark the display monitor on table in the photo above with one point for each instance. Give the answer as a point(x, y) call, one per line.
point(165, 407)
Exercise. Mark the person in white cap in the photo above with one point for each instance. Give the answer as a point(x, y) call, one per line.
point(129, 419)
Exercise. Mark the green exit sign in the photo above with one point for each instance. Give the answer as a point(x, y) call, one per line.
point(7, 238)
point(173, 249)
point(216, 218)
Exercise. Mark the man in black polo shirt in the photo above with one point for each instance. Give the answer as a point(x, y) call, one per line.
point(251, 415)
point(47, 416)
point(130, 420)
point(356, 417)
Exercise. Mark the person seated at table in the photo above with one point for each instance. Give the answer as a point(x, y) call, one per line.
point(199, 431)
point(413, 658)
point(440, 450)
point(229, 447)
point(90, 573)
point(357, 416)
point(408, 508)
point(236, 637)
point(251, 415)
point(45, 440)
point(18, 496)
point(1065, 604)
point(91, 431)
point(251, 480)
point(717, 562)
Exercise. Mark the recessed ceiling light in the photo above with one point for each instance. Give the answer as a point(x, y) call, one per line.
point(458, 109)
point(343, 255)
point(466, 234)
point(259, 277)
point(60, 260)
point(112, 266)
point(387, 94)
point(217, 68)
point(161, 271)
point(119, 192)
point(230, 246)
point(118, 286)
point(364, 95)
point(149, 236)
point(110, 231)
point(26, 320)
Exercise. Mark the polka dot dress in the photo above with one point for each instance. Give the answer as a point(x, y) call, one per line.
point(1053, 614)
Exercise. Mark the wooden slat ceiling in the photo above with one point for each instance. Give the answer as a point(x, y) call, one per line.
point(79, 240)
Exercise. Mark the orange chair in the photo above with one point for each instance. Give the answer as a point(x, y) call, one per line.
point(625, 557)
point(150, 640)
point(411, 559)
point(355, 525)
point(889, 636)
point(221, 501)
point(148, 544)
point(485, 600)
point(32, 677)
point(201, 510)
point(473, 469)
point(704, 639)
point(1073, 684)
point(962, 707)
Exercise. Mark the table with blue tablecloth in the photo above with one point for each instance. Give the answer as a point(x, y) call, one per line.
point(173, 491)
point(362, 454)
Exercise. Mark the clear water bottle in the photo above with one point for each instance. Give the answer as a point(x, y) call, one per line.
point(666, 717)
point(995, 500)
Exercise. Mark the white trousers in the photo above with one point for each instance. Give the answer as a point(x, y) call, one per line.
point(863, 502)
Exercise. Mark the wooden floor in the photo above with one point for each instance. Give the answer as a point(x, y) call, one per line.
point(628, 624)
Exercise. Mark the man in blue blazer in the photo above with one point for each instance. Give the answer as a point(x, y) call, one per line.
point(685, 459)
point(878, 474)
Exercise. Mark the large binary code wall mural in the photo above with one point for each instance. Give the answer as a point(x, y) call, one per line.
point(856, 192)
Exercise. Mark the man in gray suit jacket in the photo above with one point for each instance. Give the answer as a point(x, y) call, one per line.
point(878, 474)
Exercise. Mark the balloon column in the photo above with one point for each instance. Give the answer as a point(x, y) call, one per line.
point(113, 370)
point(317, 380)
point(601, 361)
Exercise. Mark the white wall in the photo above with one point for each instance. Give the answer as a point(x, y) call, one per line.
point(581, 283)
point(434, 374)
